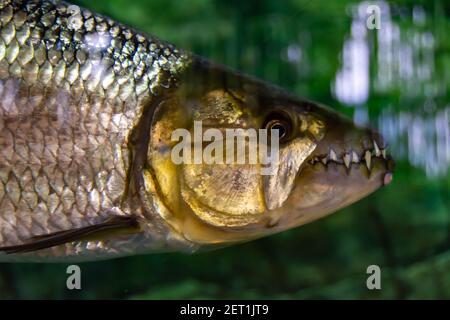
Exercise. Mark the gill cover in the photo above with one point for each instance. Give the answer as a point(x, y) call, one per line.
point(206, 201)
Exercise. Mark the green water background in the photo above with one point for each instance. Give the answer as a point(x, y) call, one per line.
point(396, 79)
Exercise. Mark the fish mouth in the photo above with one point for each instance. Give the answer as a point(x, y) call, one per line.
point(367, 159)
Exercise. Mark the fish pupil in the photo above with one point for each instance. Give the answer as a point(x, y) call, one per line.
point(281, 129)
point(281, 121)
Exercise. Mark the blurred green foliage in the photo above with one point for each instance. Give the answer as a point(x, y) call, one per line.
point(404, 228)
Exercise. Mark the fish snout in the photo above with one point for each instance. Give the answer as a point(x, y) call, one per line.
point(361, 151)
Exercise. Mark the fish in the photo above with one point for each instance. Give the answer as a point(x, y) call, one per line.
point(88, 111)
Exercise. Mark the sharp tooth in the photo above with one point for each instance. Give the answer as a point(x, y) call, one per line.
point(347, 160)
point(377, 149)
point(333, 156)
point(324, 160)
point(383, 152)
point(368, 158)
point(355, 157)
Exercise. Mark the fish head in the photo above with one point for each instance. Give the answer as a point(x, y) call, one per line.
point(316, 161)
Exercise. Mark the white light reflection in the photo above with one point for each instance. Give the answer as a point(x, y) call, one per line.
point(97, 41)
point(424, 139)
point(294, 53)
point(405, 58)
point(352, 82)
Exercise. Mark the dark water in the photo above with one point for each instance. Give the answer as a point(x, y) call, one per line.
point(396, 78)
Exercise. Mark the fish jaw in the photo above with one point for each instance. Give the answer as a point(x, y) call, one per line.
point(348, 164)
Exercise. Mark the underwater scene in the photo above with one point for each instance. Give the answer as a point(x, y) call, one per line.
point(391, 74)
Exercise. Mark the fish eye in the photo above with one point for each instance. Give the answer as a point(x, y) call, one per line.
point(280, 121)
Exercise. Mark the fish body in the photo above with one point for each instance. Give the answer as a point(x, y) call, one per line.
point(87, 110)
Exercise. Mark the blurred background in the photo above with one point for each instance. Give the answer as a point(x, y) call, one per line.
point(396, 79)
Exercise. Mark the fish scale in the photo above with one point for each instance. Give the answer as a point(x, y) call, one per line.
point(73, 85)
